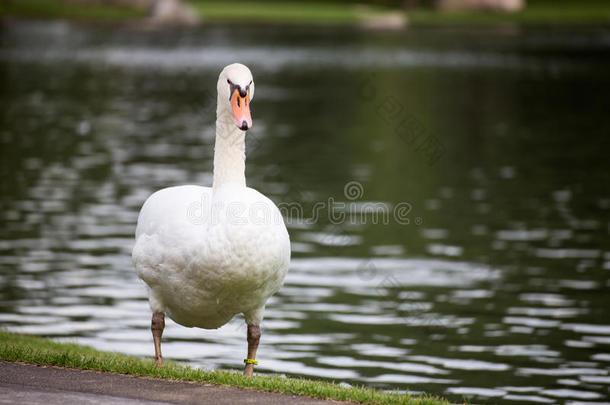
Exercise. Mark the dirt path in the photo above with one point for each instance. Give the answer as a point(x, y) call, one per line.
point(41, 385)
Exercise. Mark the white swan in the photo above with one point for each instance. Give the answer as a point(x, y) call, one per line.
point(208, 254)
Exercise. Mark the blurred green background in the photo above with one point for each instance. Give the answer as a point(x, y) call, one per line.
point(324, 12)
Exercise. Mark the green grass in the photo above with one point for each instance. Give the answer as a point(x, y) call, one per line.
point(536, 13)
point(285, 12)
point(34, 350)
point(68, 9)
point(547, 12)
point(301, 11)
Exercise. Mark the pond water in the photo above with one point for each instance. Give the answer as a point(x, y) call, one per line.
point(462, 247)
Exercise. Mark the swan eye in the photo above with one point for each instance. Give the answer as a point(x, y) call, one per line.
point(230, 82)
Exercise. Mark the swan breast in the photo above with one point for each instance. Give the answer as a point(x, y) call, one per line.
point(205, 254)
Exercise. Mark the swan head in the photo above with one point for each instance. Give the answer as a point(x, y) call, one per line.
point(236, 91)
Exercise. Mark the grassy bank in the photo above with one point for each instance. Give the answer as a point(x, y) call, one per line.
point(537, 12)
point(300, 11)
point(540, 12)
point(51, 9)
point(29, 349)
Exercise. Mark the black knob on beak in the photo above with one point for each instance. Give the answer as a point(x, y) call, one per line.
point(244, 125)
point(242, 92)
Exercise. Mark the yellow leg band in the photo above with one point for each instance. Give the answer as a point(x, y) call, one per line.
point(251, 361)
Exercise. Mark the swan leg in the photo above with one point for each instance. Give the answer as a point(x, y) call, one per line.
point(156, 326)
point(254, 335)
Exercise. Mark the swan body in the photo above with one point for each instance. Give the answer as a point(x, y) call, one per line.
point(209, 253)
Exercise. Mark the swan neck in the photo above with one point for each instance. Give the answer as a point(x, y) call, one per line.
point(229, 150)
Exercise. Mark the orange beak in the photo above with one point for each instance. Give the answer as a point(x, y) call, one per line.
point(241, 109)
